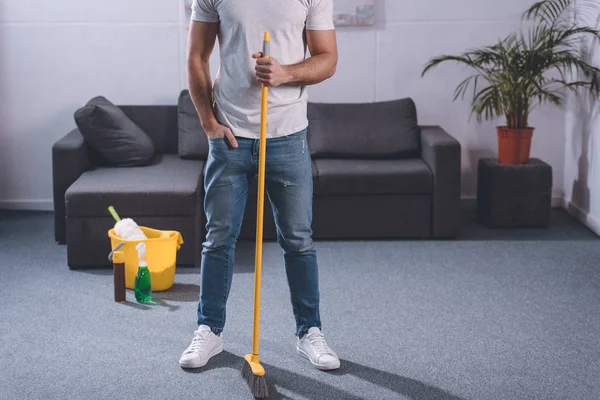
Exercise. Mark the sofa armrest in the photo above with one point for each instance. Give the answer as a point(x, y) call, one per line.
point(442, 153)
point(69, 160)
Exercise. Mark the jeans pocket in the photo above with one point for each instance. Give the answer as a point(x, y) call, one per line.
point(218, 149)
point(218, 143)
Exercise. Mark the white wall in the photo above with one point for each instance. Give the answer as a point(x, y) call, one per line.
point(386, 62)
point(582, 155)
point(54, 56)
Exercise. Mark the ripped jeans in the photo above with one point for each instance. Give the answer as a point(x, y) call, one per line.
point(289, 188)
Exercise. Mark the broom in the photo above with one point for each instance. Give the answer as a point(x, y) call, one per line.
point(253, 372)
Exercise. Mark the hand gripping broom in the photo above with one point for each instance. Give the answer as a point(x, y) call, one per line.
point(253, 372)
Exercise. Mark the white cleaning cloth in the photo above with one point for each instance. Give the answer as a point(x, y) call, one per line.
point(127, 229)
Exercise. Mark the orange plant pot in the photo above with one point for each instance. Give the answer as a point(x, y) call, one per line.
point(514, 145)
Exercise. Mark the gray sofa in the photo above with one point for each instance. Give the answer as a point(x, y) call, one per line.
point(377, 175)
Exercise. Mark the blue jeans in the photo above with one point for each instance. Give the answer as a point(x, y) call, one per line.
point(289, 189)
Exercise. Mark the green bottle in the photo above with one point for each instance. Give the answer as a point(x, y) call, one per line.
point(143, 283)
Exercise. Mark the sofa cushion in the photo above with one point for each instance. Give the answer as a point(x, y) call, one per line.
point(382, 130)
point(114, 138)
point(374, 177)
point(169, 186)
point(193, 143)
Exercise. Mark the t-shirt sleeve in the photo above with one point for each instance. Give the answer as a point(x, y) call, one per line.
point(320, 15)
point(204, 11)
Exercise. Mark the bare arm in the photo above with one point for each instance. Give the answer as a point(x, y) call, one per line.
point(321, 65)
point(201, 42)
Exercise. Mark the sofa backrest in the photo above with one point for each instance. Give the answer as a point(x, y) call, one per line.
point(381, 130)
point(159, 122)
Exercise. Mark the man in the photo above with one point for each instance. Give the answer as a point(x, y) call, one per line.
point(230, 116)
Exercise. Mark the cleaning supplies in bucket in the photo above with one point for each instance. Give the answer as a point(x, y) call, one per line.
point(126, 228)
point(161, 255)
point(118, 260)
point(143, 280)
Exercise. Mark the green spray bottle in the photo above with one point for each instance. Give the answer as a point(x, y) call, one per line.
point(143, 283)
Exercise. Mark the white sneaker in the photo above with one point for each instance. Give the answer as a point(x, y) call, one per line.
point(204, 346)
point(314, 347)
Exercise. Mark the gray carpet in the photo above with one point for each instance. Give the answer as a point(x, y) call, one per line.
point(509, 314)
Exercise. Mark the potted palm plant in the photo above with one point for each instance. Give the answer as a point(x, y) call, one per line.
point(526, 70)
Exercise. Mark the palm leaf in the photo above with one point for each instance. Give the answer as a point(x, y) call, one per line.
point(549, 96)
point(547, 11)
point(487, 104)
point(444, 58)
point(572, 86)
point(461, 89)
point(575, 65)
point(579, 32)
point(528, 69)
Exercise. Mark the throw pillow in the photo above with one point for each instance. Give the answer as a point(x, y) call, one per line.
point(380, 130)
point(193, 143)
point(116, 139)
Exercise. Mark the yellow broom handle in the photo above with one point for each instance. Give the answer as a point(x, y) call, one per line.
point(260, 203)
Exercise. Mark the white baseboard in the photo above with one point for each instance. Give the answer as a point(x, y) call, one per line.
point(471, 202)
point(559, 202)
point(28, 205)
point(585, 218)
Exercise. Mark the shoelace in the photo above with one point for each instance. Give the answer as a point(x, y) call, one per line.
point(319, 344)
point(198, 341)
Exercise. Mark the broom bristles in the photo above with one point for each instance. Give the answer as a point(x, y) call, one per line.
point(257, 384)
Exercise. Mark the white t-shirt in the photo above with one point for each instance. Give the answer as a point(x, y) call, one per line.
point(236, 91)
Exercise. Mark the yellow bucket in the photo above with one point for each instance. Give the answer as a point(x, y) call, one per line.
point(161, 255)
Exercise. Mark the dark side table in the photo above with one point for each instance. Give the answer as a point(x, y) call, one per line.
point(514, 196)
